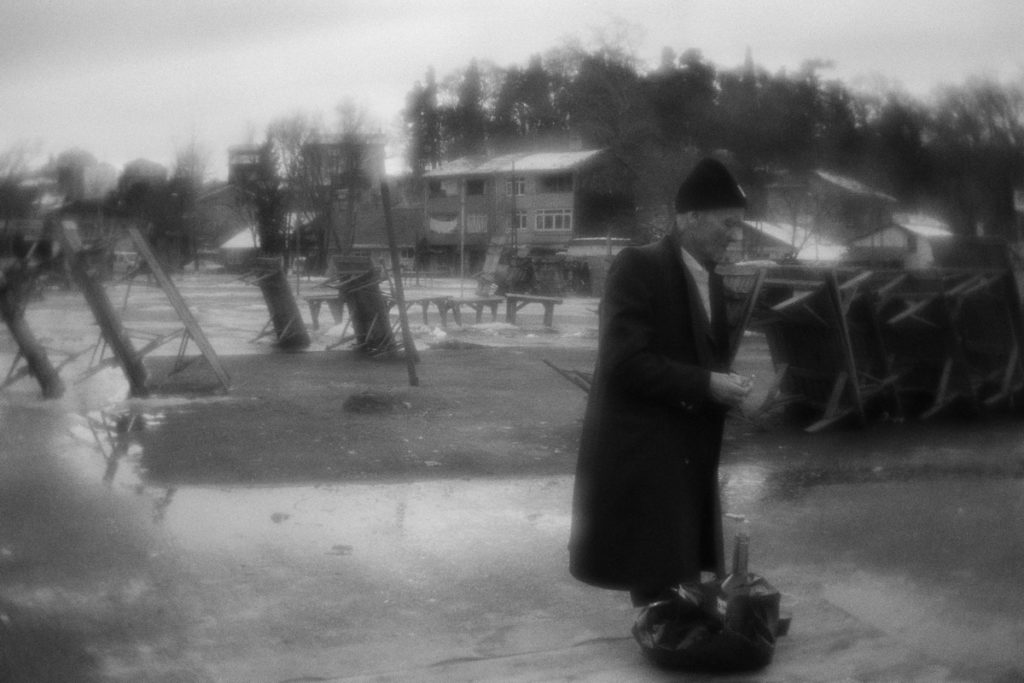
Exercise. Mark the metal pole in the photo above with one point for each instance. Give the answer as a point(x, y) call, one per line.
point(515, 217)
point(396, 268)
point(462, 237)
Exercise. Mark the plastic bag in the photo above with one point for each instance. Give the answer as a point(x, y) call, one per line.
point(705, 627)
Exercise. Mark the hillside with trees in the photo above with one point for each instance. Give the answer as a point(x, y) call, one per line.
point(958, 155)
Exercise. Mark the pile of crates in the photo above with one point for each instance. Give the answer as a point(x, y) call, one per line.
point(853, 343)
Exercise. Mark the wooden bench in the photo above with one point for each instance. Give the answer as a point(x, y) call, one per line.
point(477, 304)
point(334, 301)
point(440, 302)
point(514, 302)
point(411, 276)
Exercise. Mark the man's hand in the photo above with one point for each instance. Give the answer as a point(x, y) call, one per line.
point(729, 389)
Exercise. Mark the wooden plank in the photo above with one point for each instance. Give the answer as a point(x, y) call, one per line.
point(37, 362)
point(886, 289)
point(942, 397)
point(531, 298)
point(849, 360)
point(911, 311)
point(570, 375)
point(736, 336)
point(771, 397)
point(106, 316)
point(856, 280)
point(180, 307)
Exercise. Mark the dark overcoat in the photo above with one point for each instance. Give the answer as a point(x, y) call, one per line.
point(646, 511)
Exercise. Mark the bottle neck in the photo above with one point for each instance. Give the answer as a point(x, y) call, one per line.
point(740, 555)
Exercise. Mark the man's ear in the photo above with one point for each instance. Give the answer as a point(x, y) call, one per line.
point(688, 218)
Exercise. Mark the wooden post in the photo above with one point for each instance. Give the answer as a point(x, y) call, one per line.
point(105, 314)
point(367, 311)
point(180, 307)
point(849, 360)
point(13, 286)
point(284, 311)
point(396, 268)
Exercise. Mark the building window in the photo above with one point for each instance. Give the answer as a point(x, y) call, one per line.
point(448, 187)
point(554, 220)
point(476, 223)
point(520, 221)
point(475, 187)
point(556, 183)
point(515, 187)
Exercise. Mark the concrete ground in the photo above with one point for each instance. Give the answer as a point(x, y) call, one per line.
point(898, 548)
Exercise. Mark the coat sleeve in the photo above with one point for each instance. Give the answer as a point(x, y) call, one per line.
point(630, 357)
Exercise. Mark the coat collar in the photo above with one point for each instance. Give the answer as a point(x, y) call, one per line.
point(683, 278)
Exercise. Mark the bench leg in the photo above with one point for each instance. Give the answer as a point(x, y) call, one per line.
point(314, 314)
point(337, 310)
point(510, 312)
point(549, 315)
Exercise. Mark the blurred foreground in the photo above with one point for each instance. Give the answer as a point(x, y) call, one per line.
point(325, 521)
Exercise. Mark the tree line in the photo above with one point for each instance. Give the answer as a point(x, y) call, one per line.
point(144, 189)
point(958, 155)
point(303, 169)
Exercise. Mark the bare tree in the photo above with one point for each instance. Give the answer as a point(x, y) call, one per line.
point(70, 166)
point(306, 171)
point(191, 167)
point(15, 199)
point(354, 179)
point(192, 161)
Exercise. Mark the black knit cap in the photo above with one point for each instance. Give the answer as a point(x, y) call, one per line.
point(709, 186)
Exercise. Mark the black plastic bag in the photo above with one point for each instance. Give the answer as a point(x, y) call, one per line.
point(708, 627)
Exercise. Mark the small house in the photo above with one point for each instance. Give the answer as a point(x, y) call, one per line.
point(239, 250)
point(764, 240)
point(835, 206)
point(909, 241)
point(531, 202)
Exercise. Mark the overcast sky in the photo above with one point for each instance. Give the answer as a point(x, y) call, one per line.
point(129, 79)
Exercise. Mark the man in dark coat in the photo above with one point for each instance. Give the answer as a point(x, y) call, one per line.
point(646, 511)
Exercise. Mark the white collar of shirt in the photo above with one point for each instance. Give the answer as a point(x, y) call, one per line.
point(701, 277)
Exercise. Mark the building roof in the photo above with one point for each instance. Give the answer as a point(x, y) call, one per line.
point(917, 224)
point(853, 186)
point(809, 246)
point(246, 238)
point(522, 162)
point(923, 226)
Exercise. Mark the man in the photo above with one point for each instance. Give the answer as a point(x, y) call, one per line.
point(646, 512)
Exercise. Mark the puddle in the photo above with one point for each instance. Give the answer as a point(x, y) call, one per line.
point(383, 528)
point(429, 554)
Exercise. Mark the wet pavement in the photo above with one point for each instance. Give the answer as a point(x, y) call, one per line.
point(900, 560)
point(898, 549)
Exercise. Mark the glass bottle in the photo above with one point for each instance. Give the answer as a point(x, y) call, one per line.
point(738, 577)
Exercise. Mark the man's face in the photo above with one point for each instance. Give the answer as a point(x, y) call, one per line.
point(707, 234)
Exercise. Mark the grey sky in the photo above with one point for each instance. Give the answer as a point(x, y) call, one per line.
point(138, 79)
